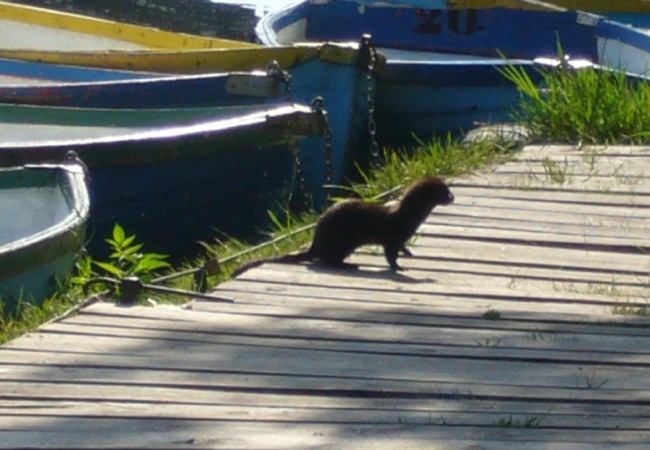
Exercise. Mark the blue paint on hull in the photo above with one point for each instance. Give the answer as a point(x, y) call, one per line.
point(344, 90)
point(343, 87)
point(176, 187)
point(442, 68)
point(515, 33)
point(426, 99)
point(161, 92)
point(58, 72)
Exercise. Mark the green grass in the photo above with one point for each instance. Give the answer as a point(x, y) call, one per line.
point(585, 106)
point(28, 317)
point(445, 158)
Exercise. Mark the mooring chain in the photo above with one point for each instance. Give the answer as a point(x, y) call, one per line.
point(274, 70)
point(131, 288)
point(369, 57)
point(299, 174)
point(318, 105)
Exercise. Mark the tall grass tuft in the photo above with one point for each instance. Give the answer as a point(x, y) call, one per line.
point(28, 316)
point(585, 106)
point(442, 157)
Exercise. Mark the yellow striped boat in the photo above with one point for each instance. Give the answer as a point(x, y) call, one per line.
point(28, 27)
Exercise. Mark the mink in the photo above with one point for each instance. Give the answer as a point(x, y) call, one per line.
point(348, 225)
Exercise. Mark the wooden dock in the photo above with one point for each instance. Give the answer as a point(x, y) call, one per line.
point(521, 323)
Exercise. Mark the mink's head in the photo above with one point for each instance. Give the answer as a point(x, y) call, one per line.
point(430, 191)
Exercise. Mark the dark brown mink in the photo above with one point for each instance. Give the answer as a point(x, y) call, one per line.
point(350, 224)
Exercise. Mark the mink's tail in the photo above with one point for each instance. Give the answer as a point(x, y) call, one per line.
point(288, 259)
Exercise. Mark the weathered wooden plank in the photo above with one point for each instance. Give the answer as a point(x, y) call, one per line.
point(578, 237)
point(417, 318)
point(520, 254)
point(401, 342)
point(442, 254)
point(548, 221)
point(552, 226)
point(428, 289)
point(580, 387)
point(211, 354)
point(432, 310)
point(555, 170)
point(542, 150)
point(21, 394)
point(464, 188)
point(85, 432)
point(408, 368)
point(204, 327)
point(589, 183)
point(485, 416)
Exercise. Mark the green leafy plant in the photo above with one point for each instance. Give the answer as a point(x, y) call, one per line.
point(126, 260)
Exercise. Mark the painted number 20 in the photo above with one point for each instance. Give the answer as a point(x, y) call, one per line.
point(460, 22)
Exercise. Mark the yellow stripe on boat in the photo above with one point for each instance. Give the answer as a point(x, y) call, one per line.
point(145, 37)
point(515, 4)
point(610, 6)
point(186, 61)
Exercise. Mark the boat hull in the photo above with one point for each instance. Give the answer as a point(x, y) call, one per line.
point(436, 98)
point(222, 89)
point(176, 185)
point(443, 65)
point(44, 210)
point(336, 73)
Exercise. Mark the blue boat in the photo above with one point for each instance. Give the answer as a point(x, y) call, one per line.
point(178, 91)
point(171, 181)
point(15, 71)
point(443, 64)
point(43, 213)
point(336, 73)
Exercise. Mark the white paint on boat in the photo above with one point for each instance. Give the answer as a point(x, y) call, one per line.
point(405, 56)
point(43, 208)
point(295, 32)
point(613, 53)
point(21, 35)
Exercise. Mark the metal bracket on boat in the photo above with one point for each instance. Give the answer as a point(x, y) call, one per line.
point(72, 158)
point(565, 63)
point(274, 70)
point(131, 288)
point(253, 84)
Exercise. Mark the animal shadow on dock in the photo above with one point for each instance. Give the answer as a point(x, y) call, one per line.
point(369, 272)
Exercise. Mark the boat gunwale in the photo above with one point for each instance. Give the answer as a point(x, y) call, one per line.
point(264, 113)
point(24, 254)
point(137, 34)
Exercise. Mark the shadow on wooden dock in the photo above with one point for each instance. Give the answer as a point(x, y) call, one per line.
point(522, 322)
